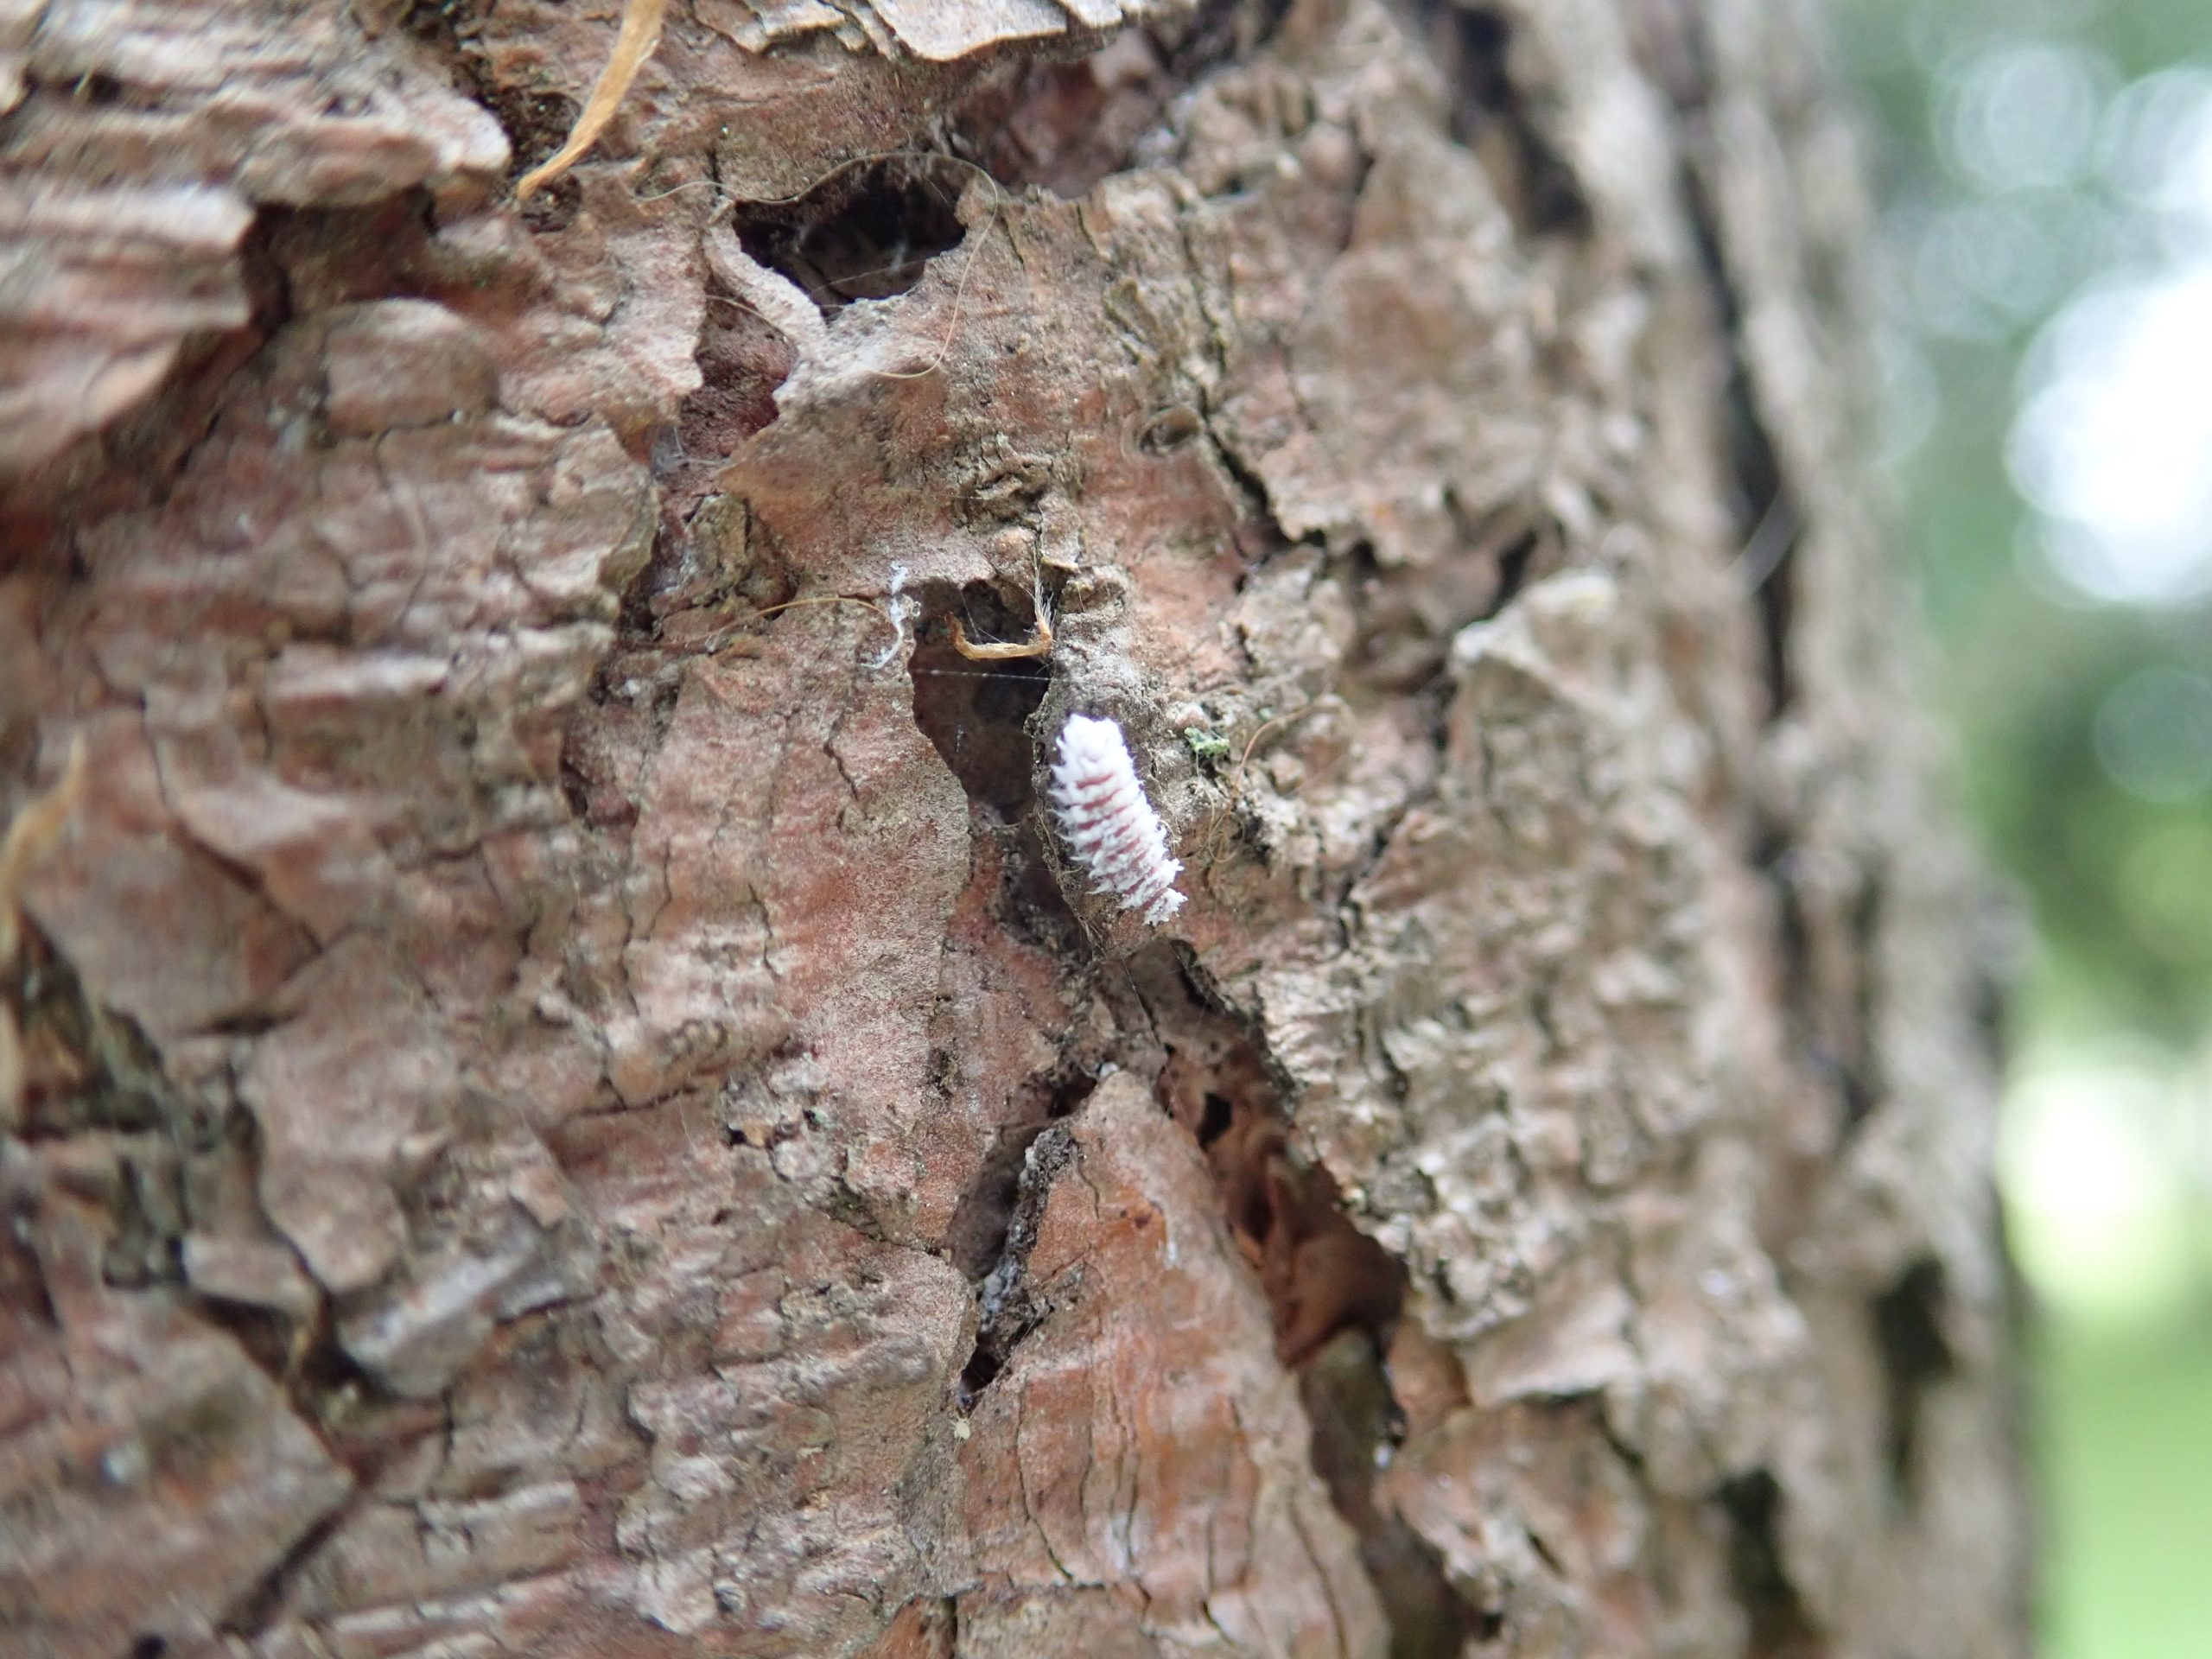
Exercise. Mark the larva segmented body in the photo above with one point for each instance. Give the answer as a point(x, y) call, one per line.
point(1115, 834)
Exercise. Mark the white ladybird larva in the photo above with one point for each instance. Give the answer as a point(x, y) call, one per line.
point(1115, 835)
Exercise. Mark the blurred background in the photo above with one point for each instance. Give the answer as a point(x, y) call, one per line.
point(2046, 170)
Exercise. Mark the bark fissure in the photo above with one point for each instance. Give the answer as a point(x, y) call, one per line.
point(1008, 1306)
point(1768, 518)
point(1491, 115)
point(1335, 1295)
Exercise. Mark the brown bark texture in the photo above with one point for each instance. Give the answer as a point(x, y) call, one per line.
point(563, 1093)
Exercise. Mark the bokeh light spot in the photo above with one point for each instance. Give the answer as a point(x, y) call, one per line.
point(2153, 735)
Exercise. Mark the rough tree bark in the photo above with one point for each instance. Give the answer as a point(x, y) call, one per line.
point(561, 1095)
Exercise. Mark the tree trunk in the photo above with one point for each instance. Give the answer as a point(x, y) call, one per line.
point(566, 1092)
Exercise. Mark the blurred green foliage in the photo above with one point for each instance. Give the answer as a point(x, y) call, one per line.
point(2120, 882)
point(2126, 1471)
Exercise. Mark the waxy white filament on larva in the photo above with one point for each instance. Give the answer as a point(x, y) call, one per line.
point(1112, 829)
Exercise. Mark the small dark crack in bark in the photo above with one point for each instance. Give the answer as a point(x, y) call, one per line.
point(1008, 1306)
point(1917, 1357)
point(1861, 1065)
point(1780, 1626)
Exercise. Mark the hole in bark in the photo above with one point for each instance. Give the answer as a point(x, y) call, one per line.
point(1512, 573)
point(866, 234)
point(145, 1217)
point(1780, 1629)
point(982, 1370)
point(22, 1280)
point(577, 788)
point(135, 459)
point(1915, 1357)
point(1215, 1119)
point(98, 89)
point(977, 712)
point(1766, 556)
point(1491, 117)
point(149, 1646)
point(329, 256)
point(1032, 900)
point(1068, 1096)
